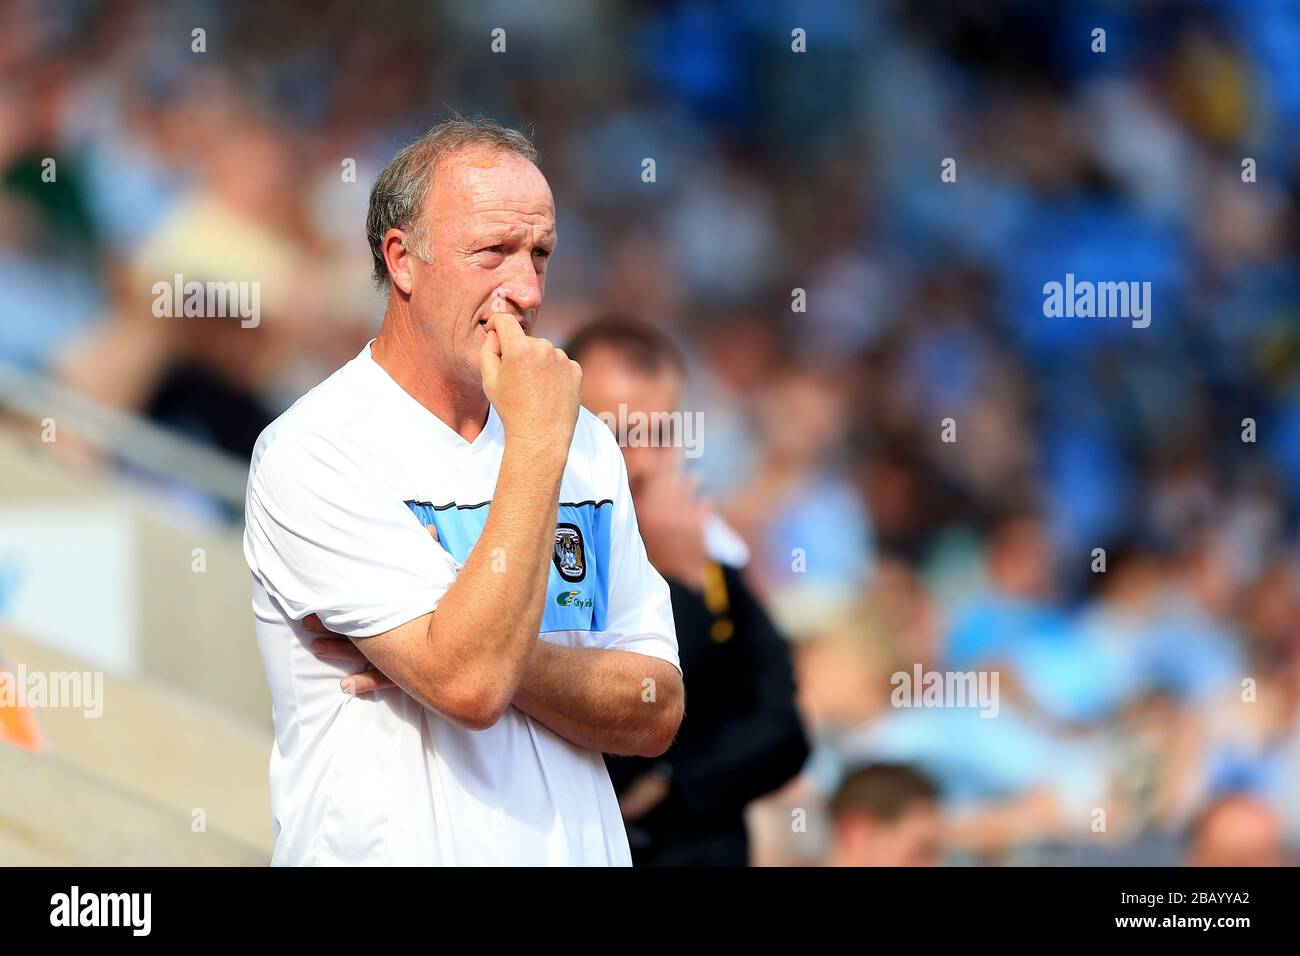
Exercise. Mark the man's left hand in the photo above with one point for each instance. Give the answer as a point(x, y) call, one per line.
point(331, 647)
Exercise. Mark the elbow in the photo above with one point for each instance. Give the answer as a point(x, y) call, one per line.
point(478, 718)
point(661, 733)
point(474, 708)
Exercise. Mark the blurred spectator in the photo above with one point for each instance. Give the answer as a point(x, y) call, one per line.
point(1237, 831)
point(741, 737)
point(886, 815)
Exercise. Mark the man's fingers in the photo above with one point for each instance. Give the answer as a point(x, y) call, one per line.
point(365, 682)
point(507, 328)
point(337, 649)
point(341, 649)
point(312, 623)
point(433, 530)
point(489, 359)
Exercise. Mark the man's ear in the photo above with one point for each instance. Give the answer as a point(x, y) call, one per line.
point(400, 261)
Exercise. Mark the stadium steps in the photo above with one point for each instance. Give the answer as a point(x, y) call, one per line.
point(53, 815)
point(191, 631)
point(123, 788)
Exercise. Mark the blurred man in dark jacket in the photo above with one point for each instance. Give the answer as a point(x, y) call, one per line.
point(741, 737)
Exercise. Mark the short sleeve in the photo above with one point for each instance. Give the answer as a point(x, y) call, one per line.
point(325, 537)
point(640, 606)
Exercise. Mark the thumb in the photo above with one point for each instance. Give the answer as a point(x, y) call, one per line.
point(433, 530)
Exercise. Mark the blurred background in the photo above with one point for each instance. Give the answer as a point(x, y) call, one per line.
point(1163, 692)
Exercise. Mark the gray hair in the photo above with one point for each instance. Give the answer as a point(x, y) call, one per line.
point(398, 195)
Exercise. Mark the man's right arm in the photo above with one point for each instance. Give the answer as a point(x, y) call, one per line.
point(465, 660)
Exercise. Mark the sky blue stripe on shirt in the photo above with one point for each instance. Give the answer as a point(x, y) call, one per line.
point(571, 605)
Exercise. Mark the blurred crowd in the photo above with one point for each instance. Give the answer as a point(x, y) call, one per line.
point(837, 303)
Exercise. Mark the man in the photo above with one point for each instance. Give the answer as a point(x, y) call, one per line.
point(442, 502)
point(742, 737)
point(885, 815)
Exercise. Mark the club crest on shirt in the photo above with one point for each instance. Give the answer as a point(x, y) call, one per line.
point(569, 558)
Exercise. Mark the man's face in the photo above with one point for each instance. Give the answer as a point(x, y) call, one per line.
point(914, 839)
point(608, 380)
point(490, 225)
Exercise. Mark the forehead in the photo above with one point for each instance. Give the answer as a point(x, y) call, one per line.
point(610, 377)
point(489, 185)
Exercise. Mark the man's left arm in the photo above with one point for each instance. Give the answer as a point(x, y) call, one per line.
point(612, 701)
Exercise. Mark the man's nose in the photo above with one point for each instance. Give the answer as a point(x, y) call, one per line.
point(523, 287)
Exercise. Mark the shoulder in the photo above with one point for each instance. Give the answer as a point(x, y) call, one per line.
point(324, 427)
point(593, 440)
point(595, 468)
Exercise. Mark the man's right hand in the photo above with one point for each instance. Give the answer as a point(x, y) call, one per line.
point(534, 386)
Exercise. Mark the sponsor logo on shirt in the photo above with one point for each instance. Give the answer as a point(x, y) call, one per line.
point(573, 599)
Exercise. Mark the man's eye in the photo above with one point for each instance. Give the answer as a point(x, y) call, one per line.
point(496, 248)
point(544, 253)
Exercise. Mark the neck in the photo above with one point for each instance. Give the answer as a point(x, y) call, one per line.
point(413, 365)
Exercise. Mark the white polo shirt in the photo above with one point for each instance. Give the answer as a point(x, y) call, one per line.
point(339, 493)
